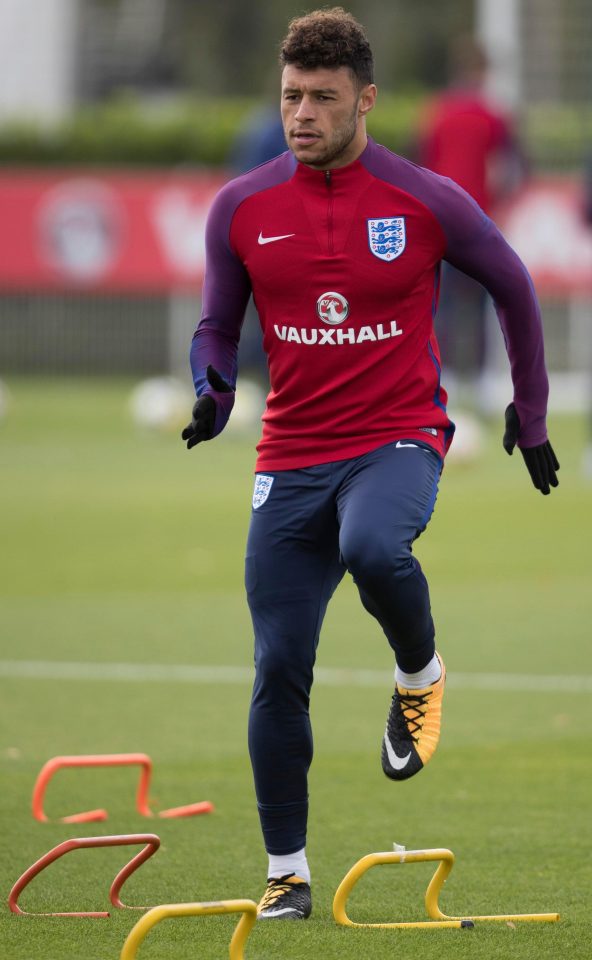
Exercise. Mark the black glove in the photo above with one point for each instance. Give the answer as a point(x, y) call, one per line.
point(203, 416)
point(541, 461)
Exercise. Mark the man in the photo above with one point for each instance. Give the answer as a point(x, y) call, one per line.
point(341, 243)
point(465, 135)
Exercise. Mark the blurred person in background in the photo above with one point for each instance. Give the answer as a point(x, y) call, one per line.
point(261, 138)
point(341, 243)
point(465, 136)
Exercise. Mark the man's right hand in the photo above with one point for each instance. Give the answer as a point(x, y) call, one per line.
point(203, 416)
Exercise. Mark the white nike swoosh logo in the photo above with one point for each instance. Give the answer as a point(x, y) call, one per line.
point(397, 763)
point(400, 444)
point(261, 239)
point(276, 913)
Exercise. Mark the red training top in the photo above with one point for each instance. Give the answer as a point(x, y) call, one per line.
point(344, 268)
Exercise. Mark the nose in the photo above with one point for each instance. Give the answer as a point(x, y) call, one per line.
point(305, 110)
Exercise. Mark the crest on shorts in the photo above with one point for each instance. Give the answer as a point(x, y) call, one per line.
point(261, 491)
point(386, 237)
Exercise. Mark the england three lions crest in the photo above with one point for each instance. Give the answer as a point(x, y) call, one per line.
point(386, 237)
point(262, 489)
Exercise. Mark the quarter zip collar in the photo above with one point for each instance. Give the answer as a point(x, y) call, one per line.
point(330, 198)
point(338, 176)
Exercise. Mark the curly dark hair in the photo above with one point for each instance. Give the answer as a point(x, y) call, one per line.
point(328, 38)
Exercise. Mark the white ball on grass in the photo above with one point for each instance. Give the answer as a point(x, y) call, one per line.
point(468, 441)
point(161, 403)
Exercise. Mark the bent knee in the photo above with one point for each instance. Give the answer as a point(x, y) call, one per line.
point(370, 557)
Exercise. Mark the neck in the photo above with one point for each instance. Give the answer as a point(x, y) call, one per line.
point(352, 152)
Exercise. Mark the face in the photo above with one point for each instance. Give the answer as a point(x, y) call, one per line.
point(323, 112)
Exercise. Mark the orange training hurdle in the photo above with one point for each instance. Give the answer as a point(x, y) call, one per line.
point(108, 760)
point(151, 841)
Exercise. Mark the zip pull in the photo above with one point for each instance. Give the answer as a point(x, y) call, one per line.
point(328, 177)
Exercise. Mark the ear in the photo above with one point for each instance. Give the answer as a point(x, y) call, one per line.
point(367, 99)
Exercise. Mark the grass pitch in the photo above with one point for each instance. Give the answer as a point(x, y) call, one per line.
point(120, 548)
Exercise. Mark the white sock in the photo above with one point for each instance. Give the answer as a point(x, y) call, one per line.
point(416, 681)
point(291, 863)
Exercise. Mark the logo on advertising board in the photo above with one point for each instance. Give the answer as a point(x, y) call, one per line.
point(81, 225)
point(333, 308)
point(180, 221)
point(386, 236)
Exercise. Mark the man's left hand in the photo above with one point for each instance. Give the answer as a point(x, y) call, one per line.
point(541, 462)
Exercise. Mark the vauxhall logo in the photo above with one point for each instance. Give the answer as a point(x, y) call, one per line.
point(333, 309)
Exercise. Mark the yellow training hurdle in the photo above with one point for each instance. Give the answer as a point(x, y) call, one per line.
point(438, 920)
point(248, 908)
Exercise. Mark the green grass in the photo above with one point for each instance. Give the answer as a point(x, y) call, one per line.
point(120, 547)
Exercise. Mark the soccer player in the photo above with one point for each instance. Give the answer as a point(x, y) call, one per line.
point(341, 242)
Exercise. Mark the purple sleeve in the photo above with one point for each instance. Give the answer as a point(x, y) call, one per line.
point(227, 287)
point(225, 296)
point(475, 246)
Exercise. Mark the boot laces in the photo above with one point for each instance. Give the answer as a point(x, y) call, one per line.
point(276, 887)
point(413, 708)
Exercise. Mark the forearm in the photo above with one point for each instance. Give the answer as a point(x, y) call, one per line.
point(226, 292)
point(493, 263)
point(214, 347)
point(519, 316)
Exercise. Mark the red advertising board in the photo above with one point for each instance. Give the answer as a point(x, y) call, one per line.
point(546, 226)
point(144, 232)
point(104, 231)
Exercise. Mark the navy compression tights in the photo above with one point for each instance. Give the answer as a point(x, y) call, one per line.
point(362, 516)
